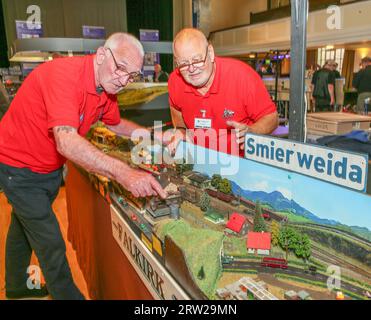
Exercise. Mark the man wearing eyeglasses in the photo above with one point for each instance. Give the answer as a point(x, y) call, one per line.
point(211, 93)
point(45, 124)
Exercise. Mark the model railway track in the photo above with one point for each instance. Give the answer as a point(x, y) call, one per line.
point(297, 272)
point(273, 215)
point(341, 232)
point(333, 259)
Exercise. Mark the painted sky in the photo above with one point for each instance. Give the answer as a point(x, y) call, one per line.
point(325, 200)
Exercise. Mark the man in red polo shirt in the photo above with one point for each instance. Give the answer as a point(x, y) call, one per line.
point(214, 95)
point(44, 126)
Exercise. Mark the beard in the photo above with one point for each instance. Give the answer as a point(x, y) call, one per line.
point(198, 80)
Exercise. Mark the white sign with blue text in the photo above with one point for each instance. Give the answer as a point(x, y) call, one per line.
point(335, 166)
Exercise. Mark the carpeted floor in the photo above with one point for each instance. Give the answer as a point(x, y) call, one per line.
point(61, 213)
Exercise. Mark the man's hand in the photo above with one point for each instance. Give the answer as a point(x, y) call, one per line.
point(172, 138)
point(140, 183)
point(241, 130)
point(83, 153)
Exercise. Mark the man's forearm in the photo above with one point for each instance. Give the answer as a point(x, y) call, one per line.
point(177, 118)
point(82, 152)
point(332, 92)
point(265, 125)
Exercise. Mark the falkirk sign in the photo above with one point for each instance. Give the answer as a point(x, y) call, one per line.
point(155, 277)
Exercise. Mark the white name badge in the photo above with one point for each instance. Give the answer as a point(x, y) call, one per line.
point(202, 123)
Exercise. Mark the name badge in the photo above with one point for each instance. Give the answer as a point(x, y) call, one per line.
point(202, 123)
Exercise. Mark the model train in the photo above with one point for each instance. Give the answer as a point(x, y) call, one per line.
point(274, 263)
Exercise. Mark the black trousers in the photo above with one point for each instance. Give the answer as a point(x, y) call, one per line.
point(34, 227)
point(324, 105)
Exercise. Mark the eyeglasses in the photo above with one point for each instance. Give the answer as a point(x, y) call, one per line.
point(195, 64)
point(122, 72)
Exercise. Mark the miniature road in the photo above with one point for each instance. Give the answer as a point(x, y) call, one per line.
point(290, 271)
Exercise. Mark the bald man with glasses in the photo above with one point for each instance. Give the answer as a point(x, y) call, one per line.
point(207, 92)
point(44, 126)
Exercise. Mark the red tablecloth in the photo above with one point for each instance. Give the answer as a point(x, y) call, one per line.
point(108, 273)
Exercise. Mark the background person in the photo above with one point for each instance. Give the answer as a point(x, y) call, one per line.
point(323, 88)
point(362, 82)
point(160, 75)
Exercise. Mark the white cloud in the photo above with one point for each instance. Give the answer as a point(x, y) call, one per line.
point(286, 193)
point(261, 186)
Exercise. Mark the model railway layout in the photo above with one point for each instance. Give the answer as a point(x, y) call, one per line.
point(196, 201)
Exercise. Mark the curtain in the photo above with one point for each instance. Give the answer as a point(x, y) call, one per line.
point(312, 57)
point(348, 67)
point(65, 18)
point(152, 14)
point(51, 17)
point(110, 14)
point(4, 63)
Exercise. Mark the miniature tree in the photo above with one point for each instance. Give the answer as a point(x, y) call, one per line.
point(201, 273)
point(275, 232)
point(259, 223)
point(303, 247)
point(225, 186)
point(204, 202)
point(216, 179)
point(288, 239)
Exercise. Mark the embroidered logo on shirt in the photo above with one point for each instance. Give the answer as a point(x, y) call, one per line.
point(203, 112)
point(228, 113)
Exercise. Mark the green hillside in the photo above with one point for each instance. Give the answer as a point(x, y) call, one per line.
point(202, 250)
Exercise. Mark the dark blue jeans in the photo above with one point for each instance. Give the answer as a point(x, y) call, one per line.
point(34, 227)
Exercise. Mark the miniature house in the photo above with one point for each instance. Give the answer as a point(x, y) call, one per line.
point(214, 218)
point(291, 295)
point(303, 295)
point(259, 243)
point(188, 193)
point(102, 137)
point(197, 179)
point(237, 225)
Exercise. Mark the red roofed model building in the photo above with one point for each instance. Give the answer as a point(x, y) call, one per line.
point(259, 242)
point(237, 225)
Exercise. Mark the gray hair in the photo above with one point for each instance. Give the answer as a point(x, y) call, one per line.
point(118, 38)
point(330, 62)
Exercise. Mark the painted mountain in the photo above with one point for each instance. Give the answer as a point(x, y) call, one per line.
point(279, 203)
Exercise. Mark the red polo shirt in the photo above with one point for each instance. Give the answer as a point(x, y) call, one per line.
point(237, 94)
point(61, 92)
